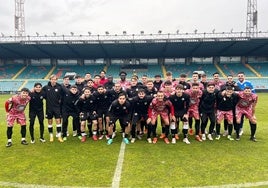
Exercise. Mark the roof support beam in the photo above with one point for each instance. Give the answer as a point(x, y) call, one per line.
point(227, 47)
point(194, 49)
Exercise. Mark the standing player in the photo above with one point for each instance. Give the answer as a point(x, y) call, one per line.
point(207, 109)
point(180, 101)
point(242, 83)
point(182, 81)
point(193, 112)
point(157, 81)
point(216, 80)
point(123, 82)
point(102, 99)
point(87, 112)
point(69, 110)
point(15, 107)
point(140, 105)
point(36, 109)
point(163, 107)
point(53, 95)
point(103, 78)
point(246, 106)
point(226, 102)
point(132, 91)
point(120, 109)
point(150, 88)
point(110, 83)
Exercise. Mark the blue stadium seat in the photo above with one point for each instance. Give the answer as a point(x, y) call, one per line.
point(8, 71)
point(34, 72)
point(261, 68)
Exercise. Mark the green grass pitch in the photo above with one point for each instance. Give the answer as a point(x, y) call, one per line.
point(92, 164)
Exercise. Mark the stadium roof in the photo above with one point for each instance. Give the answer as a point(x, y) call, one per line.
point(143, 48)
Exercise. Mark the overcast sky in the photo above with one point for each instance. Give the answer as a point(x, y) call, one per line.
point(133, 16)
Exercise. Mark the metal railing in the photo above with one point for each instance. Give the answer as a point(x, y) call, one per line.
point(132, 38)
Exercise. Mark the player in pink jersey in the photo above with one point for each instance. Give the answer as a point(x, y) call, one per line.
point(195, 95)
point(246, 106)
point(216, 80)
point(123, 82)
point(15, 107)
point(163, 107)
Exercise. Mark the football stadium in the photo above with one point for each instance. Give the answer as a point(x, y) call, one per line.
point(26, 60)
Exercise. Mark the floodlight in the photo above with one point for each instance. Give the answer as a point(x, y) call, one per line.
point(106, 32)
point(72, 33)
point(159, 32)
point(124, 32)
point(142, 32)
point(89, 33)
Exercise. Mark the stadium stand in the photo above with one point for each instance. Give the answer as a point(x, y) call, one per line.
point(9, 71)
point(261, 68)
point(10, 86)
point(113, 70)
point(178, 69)
point(139, 70)
point(22, 64)
point(235, 67)
point(260, 83)
point(30, 83)
point(34, 72)
point(61, 70)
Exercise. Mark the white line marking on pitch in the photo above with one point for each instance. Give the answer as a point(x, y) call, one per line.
point(253, 184)
point(21, 185)
point(119, 166)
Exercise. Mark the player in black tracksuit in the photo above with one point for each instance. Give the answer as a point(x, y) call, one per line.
point(226, 102)
point(36, 109)
point(102, 98)
point(180, 101)
point(87, 112)
point(120, 109)
point(207, 109)
point(150, 89)
point(133, 90)
point(70, 109)
point(114, 93)
point(140, 106)
point(53, 95)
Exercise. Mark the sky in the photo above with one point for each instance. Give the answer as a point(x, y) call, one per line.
point(132, 16)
